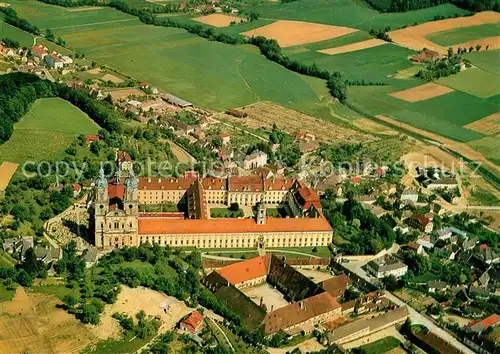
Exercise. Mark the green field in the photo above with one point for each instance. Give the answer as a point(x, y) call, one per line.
point(474, 81)
point(330, 43)
point(445, 115)
point(350, 13)
point(488, 146)
point(486, 60)
point(46, 131)
point(371, 64)
point(380, 346)
point(465, 34)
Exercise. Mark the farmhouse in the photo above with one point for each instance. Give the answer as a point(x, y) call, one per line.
point(39, 51)
point(386, 266)
point(176, 100)
point(409, 196)
point(420, 222)
point(192, 323)
point(426, 56)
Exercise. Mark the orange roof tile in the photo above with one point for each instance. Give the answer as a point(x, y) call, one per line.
point(193, 319)
point(230, 226)
point(243, 271)
point(171, 183)
point(246, 183)
point(334, 284)
point(486, 322)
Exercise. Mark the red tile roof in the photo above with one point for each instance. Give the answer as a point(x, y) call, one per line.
point(116, 190)
point(91, 138)
point(246, 183)
point(278, 183)
point(247, 270)
point(307, 197)
point(230, 226)
point(334, 284)
point(171, 183)
point(413, 245)
point(421, 219)
point(299, 312)
point(193, 320)
point(486, 322)
point(356, 179)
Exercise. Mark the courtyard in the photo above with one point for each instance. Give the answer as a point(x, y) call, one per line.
point(271, 297)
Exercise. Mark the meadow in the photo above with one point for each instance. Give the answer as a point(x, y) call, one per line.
point(486, 60)
point(350, 13)
point(46, 131)
point(371, 64)
point(465, 34)
point(189, 66)
point(474, 81)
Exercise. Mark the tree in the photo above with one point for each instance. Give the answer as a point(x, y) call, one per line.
point(24, 279)
point(390, 283)
point(471, 48)
point(487, 46)
point(478, 47)
point(217, 142)
point(69, 301)
point(89, 314)
point(30, 264)
point(49, 34)
point(234, 207)
point(253, 16)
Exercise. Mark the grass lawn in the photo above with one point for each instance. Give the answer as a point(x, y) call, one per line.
point(381, 346)
point(57, 290)
point(489, 146)
point(126, 344)
point(225, 213)
point(322, 251)
point(485, 197)
point(45, 131)
point(423, 278)
point(465, 34)
point(486, 60)
point(6, 260)
point(5, 294)
point(474, 81)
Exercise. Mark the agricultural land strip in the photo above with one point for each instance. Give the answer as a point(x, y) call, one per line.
point(415, 37)
point(474, 81)
point(489, 125)
point(370, 43)
point(218, 20)
point(422, 92)
point(7, 170)
point(292, 33)
point(464, 34)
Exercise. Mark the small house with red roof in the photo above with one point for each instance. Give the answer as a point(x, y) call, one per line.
point(39, 51)
point(76, 189)
point(123, 160)
point(192, 323)
point(89, 139)
point(355, 179)
point(420, 222)
point(226, 138)
point(478, 326)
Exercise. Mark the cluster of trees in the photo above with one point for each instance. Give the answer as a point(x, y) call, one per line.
point(18, 92)
point(145, 328)
point(288, 151)
point(10, 16)
point(49, 35)
point(24, 273)
point(363, 231)
point(441, 67)
point(11, 43)
point(381, 34)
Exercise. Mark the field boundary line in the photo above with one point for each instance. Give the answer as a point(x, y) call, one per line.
point(92, 24)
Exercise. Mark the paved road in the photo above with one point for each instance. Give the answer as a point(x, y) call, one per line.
point(418, 318)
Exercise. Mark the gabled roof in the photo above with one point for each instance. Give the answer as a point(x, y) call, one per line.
point(333, 284)
point(193, 319)
point(243, 271)
point(298, 312)
point(489, 321)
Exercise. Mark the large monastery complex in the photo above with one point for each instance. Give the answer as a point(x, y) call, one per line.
point(117, 222)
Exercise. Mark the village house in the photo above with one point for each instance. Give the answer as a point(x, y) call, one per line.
point(39, 51)
point(192, 323)
point(48, 255)
point(226, 138)
point(409, 196)
point(54, 61)
point(307, 147)
point(305, 136)
point(90, 257)
point(254, 160)
point(479, 326)
point(124, 161)
point(89, 139)
point(415, 247)
point(386, 266)
point(435, 286)
point(443, 183)
point(18, 245)
point(420, 222)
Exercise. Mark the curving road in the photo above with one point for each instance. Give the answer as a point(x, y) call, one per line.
point(418, 318)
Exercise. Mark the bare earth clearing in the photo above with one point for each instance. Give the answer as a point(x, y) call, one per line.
point(373, 127)
point(290, 33)
point(112, 78)
point(94, 71)
point(31, 323)
point(422, 92)
point(264, 114)
point(414, 37)
point(119, 94)
point(310, 345)
point(219, 20)
point(178, 152)
point(353, 47)
point(461, 148)
point(132, 300)
point(488, 125)
point(7, 170)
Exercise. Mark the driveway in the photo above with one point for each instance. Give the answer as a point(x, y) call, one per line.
point(417, 318)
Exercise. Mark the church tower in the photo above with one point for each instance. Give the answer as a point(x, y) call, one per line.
point(131, 197)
